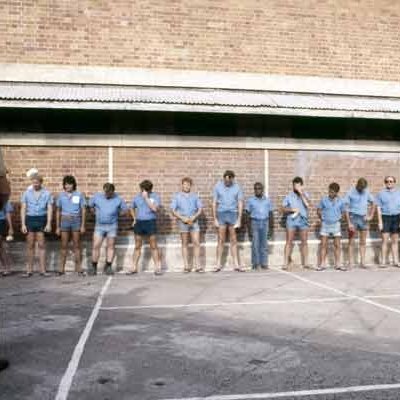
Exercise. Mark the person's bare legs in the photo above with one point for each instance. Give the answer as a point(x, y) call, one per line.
point(63, 251)
point(394, 238)
point(185, 255)
point(336, 251)
point(384, 255)
point(304, 247)
point(288, 247)
point(30, 242)
point(351, 251)
point(137, 252)
point(220, 246)
point(234, 247)
point(76, 243)
point(97, 241)
point(155, 255)
point(110, 250)
point(363, 241)
point(42, 251)
point(4, 257)
point(323, 251)
point(195, 236)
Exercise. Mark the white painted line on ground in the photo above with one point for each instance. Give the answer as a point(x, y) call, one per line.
point(306, 300)
point(229, 304)
point(338, 291)
point(66, 381)
point(300, 393)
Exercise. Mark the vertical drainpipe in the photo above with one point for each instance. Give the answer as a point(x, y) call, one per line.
point(110, 164)
point(266, 172)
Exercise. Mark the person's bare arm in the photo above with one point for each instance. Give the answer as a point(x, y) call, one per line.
point(23, 218)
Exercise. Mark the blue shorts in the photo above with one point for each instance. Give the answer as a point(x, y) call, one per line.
point(195, 227)
point(106, 230)
point(330, 229)
point(145, 227)
point(390, 223)
point(359, 222)
point(70, 223)
point(36, 223)
point(227, 217)
point(299, 223)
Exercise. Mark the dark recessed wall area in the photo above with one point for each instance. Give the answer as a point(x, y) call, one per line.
point(201, 124)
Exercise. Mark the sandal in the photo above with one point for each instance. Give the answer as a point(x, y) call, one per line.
point(200, 270)
point(157, 272)
point(59, 273)
point(217, 269)
point(132, 272)
point(187, 270)
point(342, 268)
point(6, 273)
point(320, 268)
point(27, 274)
point(44, 274)
point(81, 273)
point(240, 269)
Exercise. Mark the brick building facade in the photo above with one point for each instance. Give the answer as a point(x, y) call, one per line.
point(270, 89)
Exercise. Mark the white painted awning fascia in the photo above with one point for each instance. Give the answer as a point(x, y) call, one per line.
point(49, 86)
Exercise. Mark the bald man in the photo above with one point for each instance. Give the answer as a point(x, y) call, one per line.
point(4, 196)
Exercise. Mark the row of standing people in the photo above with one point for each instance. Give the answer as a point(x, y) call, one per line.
point(358, 207)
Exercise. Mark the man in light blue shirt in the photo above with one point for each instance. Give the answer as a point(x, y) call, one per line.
point(186, 206)
point(36, 215)
point(144, 209)
point(70, 220)
point(330, 211)
point(295, 207)
point(107, 206)
point(360, 210)
point(259, 209)
point(227, 209)
point(388, 205)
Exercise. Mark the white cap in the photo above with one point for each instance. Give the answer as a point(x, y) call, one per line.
point(32, 172)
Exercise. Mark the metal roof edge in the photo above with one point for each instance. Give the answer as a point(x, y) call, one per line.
point(49, 73)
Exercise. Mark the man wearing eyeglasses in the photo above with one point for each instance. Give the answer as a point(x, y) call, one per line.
point(388, 203)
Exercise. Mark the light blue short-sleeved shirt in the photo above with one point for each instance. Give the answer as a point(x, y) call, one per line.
point(357, 203)
point(259, 207)
point(227, 197)
point(36, 206)
point(331, 209)
point(142, 211)
point(186, 204)
point(7, 209)
point(107, 210)
point(71, 203)
point(388, 201)
point(293, 200)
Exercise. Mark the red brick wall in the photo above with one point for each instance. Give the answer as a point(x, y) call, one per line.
point(165, 167)
point(340, 38)
point(320, 168)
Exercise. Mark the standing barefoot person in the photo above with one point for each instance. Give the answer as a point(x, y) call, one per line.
point(36, 215)
point(187, 207)
point(144, 210)
point(5, 191)
point(358, 215)
point(296, 205)
point(70, 219)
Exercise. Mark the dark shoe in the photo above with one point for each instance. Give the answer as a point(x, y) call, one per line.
point(108, 270)
point(60, 273)
point(264, 267)
point(157, 272)
point(131, 272)
point(3, 364)
point(44, 274)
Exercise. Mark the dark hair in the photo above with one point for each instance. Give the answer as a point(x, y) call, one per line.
point(335, 187)
point(297, 179)
point(362, 183)
point(109, 187)
point(259, 184)
point(229, 173)
point(187, 179)
point(69, 180)
point(146, 185)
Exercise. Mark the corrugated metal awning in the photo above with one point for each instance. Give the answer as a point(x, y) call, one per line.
point(86, 96)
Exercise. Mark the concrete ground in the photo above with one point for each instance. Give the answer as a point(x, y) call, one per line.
point(256, 335)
